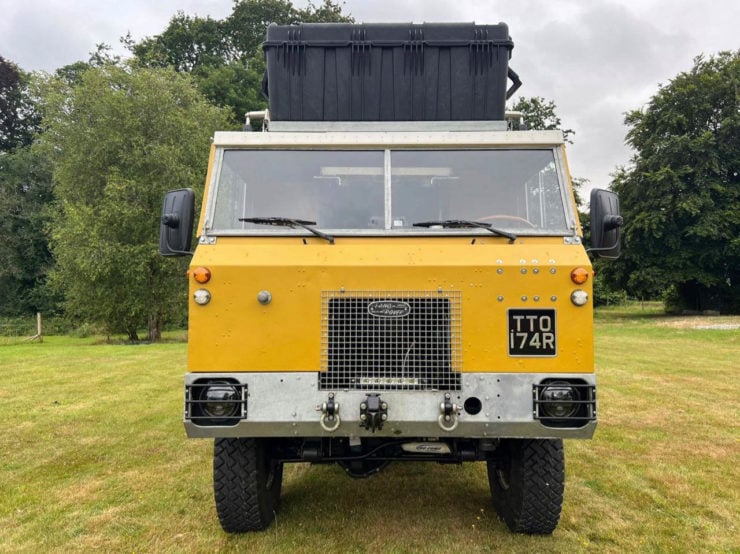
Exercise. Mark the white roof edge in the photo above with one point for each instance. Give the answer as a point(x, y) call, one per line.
point(389, 139)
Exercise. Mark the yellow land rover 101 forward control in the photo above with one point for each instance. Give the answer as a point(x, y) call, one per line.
point(384, 284)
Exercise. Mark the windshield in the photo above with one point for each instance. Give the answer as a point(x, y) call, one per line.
point(379, 190)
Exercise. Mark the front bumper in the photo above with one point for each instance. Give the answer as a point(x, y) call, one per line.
point(289, 404)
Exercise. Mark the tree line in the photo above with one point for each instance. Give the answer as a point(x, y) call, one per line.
point(87, 152)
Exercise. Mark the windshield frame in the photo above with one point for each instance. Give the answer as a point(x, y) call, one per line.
point(387, 148)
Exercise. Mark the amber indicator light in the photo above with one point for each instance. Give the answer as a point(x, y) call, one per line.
point(201, 274)
point(579, 276)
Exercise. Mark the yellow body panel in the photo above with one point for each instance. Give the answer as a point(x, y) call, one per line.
point(234, 332)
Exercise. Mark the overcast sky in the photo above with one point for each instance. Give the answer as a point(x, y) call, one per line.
point(595, 58)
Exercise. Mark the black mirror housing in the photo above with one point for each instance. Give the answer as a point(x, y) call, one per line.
point(176, 223)
point(606, 222)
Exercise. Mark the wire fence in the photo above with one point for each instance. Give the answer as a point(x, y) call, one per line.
point(21, 329)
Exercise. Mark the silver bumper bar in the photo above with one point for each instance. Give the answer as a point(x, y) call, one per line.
point(290, 405)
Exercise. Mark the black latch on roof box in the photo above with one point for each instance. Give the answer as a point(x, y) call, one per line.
point(388, 72)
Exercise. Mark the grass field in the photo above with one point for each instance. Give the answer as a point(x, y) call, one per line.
point(94, 457)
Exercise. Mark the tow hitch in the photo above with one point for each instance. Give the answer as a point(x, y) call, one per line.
point(373, 412)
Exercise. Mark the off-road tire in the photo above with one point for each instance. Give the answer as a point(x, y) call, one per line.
point(527, 480)
point(246, 484)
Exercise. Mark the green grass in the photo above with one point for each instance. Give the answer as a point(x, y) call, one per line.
point(94, 457)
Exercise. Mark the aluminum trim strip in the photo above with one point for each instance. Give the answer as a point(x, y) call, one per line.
point(353, 140)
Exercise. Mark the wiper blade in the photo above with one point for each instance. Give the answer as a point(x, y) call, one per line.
point(289, 222)
point(465, 224)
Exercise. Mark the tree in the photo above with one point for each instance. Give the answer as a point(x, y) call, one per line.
point(541, 114)
point(187, 44)
point(25, 194)
point(100, 57)
point(18, 119)
point(25, 190)
point(225, 56)
point(681, 194)
point(120, 138)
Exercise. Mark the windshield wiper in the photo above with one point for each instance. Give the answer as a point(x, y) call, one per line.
point(465, 224)
point(289, 222)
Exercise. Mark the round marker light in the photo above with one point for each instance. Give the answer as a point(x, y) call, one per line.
point(202, 275)
point(579, 275)
point(579, 297)
point(201, 297)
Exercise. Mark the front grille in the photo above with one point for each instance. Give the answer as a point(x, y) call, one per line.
point(390, 340)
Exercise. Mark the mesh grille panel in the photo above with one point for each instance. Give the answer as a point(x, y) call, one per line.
point(390, 340)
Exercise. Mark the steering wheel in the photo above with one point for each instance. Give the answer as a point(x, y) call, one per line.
point(510, 217)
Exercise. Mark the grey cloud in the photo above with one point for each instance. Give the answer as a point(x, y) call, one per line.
point(35, 42)
point(597, 65)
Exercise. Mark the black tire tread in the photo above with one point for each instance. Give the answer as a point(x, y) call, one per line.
point(534, 499)
point(242, 500)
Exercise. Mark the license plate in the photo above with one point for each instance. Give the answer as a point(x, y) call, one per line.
point(532, 333)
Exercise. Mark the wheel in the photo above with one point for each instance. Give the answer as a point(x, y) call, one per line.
point(246, 484)
point(527, 479)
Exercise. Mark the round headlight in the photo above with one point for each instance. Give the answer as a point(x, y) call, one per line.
point(559, 400)
point(221, 400)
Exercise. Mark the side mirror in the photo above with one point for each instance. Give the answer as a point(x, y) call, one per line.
point(605, 224)
point(176, 225)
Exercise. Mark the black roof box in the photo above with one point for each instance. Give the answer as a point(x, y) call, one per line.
point(388, 72)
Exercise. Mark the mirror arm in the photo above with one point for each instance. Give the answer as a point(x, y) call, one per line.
point(616, 223)
point(181, 252)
